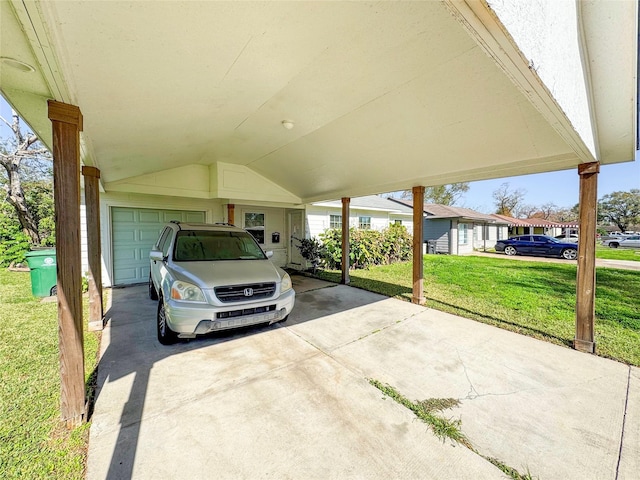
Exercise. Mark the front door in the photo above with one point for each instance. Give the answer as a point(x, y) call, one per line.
point(296, 231)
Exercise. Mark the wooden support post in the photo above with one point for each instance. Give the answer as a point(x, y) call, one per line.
point(231, 214)
point(66, 121)
point(418, 241)
point(586, 274)
point(94, 252)
point(344, 279)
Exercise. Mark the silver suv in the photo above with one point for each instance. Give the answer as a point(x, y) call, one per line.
point(214, 277)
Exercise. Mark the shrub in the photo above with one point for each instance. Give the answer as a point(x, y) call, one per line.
point(311, 250)
point(367, 247)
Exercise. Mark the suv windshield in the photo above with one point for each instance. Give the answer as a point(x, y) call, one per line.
point(205, 245)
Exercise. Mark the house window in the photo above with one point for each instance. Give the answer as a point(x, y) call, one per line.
point(254, 224)
point(335, 221)
point(364, 223)
point(463, 230)
point(397, 222)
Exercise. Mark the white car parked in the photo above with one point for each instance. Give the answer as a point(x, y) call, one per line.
point(622, 241)
point(214, 277)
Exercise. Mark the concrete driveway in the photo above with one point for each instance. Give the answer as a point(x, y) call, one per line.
point(294, 401)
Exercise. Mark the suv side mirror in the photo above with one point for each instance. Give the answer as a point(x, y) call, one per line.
point(156, 255)
point(269, 253)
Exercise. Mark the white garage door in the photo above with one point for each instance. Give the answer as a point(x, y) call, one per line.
point(133, 233)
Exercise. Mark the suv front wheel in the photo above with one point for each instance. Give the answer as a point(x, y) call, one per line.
point(166, 336)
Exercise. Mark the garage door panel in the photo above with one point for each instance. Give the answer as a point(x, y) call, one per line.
point(134, 232)
point(150, 216)
point(193, 217)
point(149, 235)
point(124, 253)
point(122, 215)
point(180, 216)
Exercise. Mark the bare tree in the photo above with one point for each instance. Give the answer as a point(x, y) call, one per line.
point(506, 200)
point(15, 153)
point(525, 211)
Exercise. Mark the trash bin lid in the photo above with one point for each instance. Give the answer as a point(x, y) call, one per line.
point(49, 252)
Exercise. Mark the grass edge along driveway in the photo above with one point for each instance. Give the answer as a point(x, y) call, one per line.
point(33, 442)
point(532, 298)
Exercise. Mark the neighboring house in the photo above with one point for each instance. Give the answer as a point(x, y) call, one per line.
point(537, 226)
point(369, 212)
point(457, 230)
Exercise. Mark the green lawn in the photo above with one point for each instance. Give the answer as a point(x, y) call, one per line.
point(33, 442)
point(618, 253)
point(532, 298)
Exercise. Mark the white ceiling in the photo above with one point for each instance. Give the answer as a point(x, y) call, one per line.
point(383, 95)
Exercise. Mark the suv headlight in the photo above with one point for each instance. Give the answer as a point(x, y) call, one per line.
point(286, 283)
point(186, 292)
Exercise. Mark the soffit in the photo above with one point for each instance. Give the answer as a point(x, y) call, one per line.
point(383, 96)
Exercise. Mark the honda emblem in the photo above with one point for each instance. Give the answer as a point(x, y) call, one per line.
point(248, 292)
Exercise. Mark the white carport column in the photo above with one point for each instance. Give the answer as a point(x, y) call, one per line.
point(418, 241)
point(586, 274)
point(344, 279)
point(94, 252)
point(66, 122)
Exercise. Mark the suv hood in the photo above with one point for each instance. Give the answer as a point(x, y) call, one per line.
point(227, 272)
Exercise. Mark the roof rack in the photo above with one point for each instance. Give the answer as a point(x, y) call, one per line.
point(225, 223)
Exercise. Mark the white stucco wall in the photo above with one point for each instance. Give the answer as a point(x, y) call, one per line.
point(548, 34)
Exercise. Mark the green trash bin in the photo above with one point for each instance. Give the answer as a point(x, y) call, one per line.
point(43, 272)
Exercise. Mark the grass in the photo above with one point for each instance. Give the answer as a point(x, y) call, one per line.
point(34, 443)
point(531, 298)
point(617, 253)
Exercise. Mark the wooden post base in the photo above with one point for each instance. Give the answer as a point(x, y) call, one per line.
point(584, 346)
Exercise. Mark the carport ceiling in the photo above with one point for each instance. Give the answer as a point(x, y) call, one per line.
point(382, 96)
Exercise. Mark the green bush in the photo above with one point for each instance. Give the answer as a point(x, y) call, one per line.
point(367, 247)
point(13, 242)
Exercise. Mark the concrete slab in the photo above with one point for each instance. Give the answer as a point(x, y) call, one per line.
point(293, 401)
point(629, 467)
point(536, 406)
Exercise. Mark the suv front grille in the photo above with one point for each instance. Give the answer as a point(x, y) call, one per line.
point(242, 293)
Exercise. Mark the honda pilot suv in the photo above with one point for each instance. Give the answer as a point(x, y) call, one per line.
point(214, 277)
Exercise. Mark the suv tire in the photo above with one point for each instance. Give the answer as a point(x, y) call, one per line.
point(166, 336)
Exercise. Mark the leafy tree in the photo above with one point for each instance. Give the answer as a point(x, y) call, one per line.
point(24, 159)
point(442, 194)
point(621, 208)
point(506, 200)
point(13, 242)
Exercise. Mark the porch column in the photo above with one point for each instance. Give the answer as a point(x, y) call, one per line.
point(92, 205)
point(66, 122)
point(586, 275)
point(231, 214)
point(418, 241)
point(344, 279)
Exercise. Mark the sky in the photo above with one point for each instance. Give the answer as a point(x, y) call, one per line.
point(560, 188)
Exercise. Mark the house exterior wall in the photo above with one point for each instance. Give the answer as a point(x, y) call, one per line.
point(486, 235)
point(275, 223)
point(318, 218)
point(465, 239)
point(437, 229)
